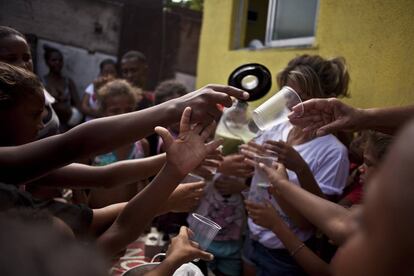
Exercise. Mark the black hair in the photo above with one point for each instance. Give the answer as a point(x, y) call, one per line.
point(135, 55)
point(49, 50)
point(378, 143)
point(167, 88)
point(107, 61)
point(7, 31)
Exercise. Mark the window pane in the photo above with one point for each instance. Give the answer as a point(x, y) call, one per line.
point(294, 18)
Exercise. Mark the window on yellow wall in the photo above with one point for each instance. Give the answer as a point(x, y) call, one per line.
point(275, 23)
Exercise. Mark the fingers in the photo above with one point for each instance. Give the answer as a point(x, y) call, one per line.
point(184, 232)
point(208, 130)
point(230, 90)
point(165, 135)
point(203, 255)
point(185, 120)
point(211, 146)
point(211, 163)
point(196, 186)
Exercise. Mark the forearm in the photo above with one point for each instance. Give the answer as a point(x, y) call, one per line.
point(307, 181)
point(309, 261)
point(327, 216)
point(120, 173)
point(386, 120)
point(166, 267)
point(87, 140)
point(139, 211)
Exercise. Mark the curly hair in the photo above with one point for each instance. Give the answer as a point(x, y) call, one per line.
point(117, 87)
point(16, 83)
point(316, 76)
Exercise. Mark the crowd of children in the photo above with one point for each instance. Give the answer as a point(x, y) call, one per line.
point(124, 165)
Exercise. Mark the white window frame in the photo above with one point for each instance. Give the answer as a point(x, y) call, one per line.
point(299, 41)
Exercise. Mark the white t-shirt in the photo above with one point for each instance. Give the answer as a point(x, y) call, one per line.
point(93, 102)
point(326, 157)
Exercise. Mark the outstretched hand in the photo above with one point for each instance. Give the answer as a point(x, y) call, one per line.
point(205, 101)
point(286, 155)
point(276, 176)
point(186, 197)
point(183, 250)
point(187, 151)
point(263, 214)
point(325, 116)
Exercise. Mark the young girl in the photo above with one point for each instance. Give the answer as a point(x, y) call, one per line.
point(117, 97)
point(90, 106)
point(317, 164)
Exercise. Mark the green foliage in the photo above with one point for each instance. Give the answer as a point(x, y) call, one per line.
point(196, 5)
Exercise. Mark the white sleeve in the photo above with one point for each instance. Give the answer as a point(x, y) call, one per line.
point(89, 89)
point(333, 171)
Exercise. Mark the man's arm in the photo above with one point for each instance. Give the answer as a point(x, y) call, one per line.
point(331, 115)
point(80, 176)
point(104, 134)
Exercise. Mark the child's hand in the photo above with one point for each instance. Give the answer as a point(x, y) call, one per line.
point(227, 185)
point(286, 155)
point(234, 165)
point(276, 175)
point(183, 250)
point(186, 197)
point(187, 151)
point(263, 214)
point(250, 150)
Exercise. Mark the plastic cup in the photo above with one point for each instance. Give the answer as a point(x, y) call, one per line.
point(276, 109)
point(192, 178)
point(204, 229)
point(262, 180)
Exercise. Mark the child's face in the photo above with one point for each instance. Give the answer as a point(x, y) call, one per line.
point(108, 70)
point(116, 105)
point(381, 243)
point(23, 122)
point(15, 51)
point(134, 71)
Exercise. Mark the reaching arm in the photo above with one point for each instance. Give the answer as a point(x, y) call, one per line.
point(265, 215)
point(79, 176)
point(102, 135)
point(332, 219)
point(183, 155)
point(331, 115)
point(181, 251)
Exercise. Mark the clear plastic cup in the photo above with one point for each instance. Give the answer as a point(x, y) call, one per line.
point(204, 229)
point(262, 180)
point(192, 178)
point(276, 109)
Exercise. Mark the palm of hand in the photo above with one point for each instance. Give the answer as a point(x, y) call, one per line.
point(186, 152)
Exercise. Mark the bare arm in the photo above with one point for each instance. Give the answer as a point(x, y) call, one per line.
point(331, 115)
point(183, 155)
point(265, 215)
point(329, 217)
point(120, 173)
point(104, 134)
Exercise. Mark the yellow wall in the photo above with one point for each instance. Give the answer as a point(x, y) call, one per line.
point(375, 36)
